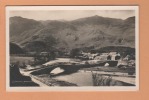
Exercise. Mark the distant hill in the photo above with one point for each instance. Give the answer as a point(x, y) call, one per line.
point(15, 49)
point(94, 31)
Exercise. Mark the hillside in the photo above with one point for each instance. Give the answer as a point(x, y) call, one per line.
point(15, 49)
point(94, 32)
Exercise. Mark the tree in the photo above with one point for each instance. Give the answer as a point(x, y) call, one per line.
point(74, 52)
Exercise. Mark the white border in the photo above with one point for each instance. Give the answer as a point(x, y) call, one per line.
point(85, 88)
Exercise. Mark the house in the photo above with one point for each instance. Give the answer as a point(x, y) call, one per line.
point(89, 55)
point(114, 55)
point(92, 56)
point(103, 56)
point(127, 57)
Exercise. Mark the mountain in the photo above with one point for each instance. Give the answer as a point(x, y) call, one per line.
point(15, 49)
point(89, 32)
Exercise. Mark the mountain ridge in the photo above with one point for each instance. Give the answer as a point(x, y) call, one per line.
point(94, 31)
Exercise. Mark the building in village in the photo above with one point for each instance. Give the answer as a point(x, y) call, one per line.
point(89, 55)
point(102, 56)
point(108, 56)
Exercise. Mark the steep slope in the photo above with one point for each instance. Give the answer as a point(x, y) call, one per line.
point(22, 28)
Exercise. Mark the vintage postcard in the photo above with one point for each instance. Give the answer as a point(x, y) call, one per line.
point(72, 48)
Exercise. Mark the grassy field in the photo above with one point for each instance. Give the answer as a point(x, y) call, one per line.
point(16, 59)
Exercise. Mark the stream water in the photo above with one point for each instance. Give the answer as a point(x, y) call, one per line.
point(88, 78)
point(79, 78)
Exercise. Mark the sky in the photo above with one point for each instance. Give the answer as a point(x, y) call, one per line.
point(71, 14)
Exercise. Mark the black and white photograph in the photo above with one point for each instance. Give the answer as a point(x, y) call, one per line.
point(72, 48)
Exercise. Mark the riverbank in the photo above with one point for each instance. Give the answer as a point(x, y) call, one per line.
point(84, 78)
point(46, 80)
point(18, 80)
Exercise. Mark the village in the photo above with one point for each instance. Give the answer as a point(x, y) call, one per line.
point(110, 58)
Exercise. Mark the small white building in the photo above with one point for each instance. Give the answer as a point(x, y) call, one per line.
point(114, 55)
point(103, 56)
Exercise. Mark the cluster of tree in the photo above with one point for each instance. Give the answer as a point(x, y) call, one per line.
point(15, 49)
point(43, 57)
point(74, 52)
